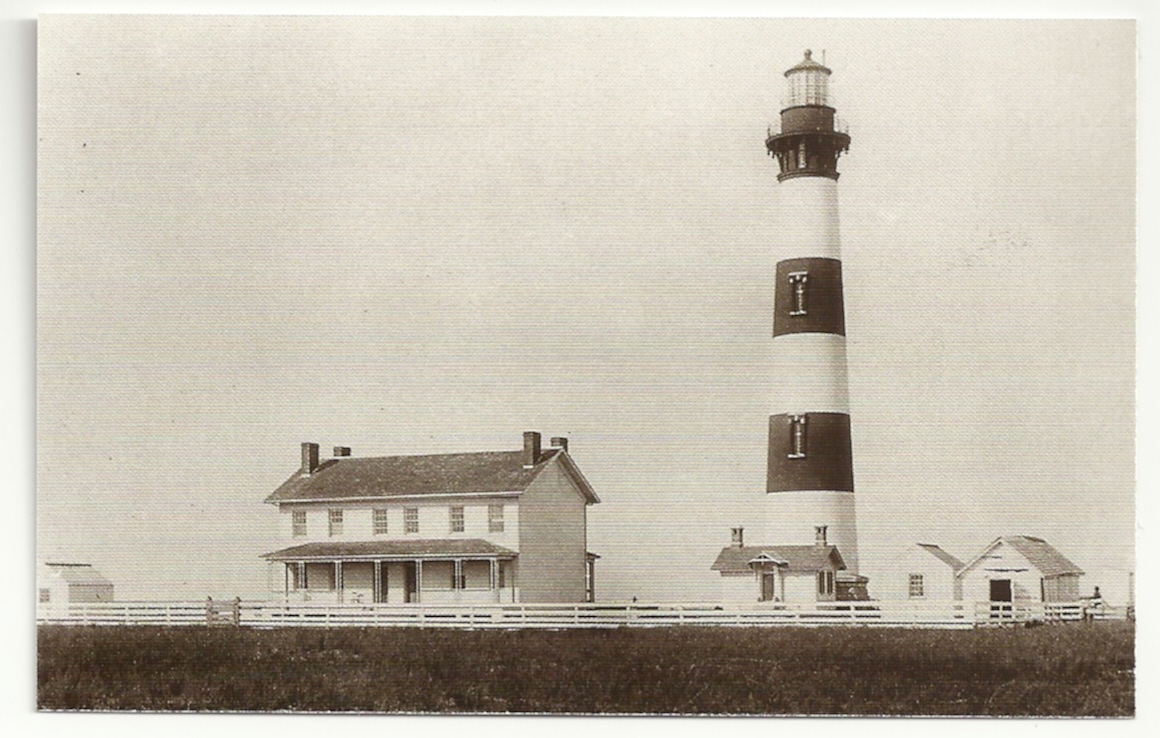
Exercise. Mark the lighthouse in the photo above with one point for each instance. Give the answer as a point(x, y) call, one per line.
point(810, 478)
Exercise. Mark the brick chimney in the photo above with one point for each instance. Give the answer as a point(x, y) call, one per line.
point(820, 536)
point(531, 455)
point(309, 458)
point(560, 442)
point(341, 452)
point(738, 537)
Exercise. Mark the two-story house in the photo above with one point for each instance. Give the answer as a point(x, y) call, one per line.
point(484, 527)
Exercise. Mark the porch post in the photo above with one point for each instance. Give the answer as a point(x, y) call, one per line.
point(418, 580)
point(285, 580)
point(491, 574)
point(377, 587)
point(338, 579)
point(301, 575)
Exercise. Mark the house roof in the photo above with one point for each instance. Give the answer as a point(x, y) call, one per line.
point(488, 472)
point(1038, 552)
point(795, 558)
point(78, 573)
point(418, 549)
point(941, 555)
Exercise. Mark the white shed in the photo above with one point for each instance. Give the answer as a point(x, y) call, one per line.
point(61, 583)
point(1020, 569)
point(923, 571)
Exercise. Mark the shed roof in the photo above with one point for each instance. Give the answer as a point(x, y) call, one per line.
point(941, 555)
point(418, 549)
point(794, 558)
point(1038, 552)
point(78, 574)
point(487, 472)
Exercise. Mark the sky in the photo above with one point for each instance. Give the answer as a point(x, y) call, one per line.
point(430, 235)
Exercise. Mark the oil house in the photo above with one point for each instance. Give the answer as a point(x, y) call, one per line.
point(58, 584)
point(1020, 569)
point(464, 528)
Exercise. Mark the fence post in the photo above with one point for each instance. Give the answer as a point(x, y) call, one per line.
point(209, 610)
point(237, 610)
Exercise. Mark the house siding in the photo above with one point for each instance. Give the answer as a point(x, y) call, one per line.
point(552, 539)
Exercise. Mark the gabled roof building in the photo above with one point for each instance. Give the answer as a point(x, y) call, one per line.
point(482, 527)
point(1020, 568)
point(779, 573)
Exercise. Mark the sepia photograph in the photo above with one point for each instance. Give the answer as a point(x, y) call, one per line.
point(471, 365)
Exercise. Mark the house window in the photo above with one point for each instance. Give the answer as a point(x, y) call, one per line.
point(916, 588)
point(457, 520)
point(298, 522)
point(380, 521)
point(797, 436)
point(797, 283)
point(336, 522)
point(495, 518)
point(825, 582)
point(45, 594)
point(410, 520)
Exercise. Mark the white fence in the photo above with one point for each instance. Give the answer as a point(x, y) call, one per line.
point(917, 614)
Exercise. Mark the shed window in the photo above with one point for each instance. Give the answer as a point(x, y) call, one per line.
point(411, 520)
point(457, 520)
point(336, 522)
point(380, 521)
point(916, 588)
point(495, 518)
point(797, 437)
point(797, 284)
point(299, 522)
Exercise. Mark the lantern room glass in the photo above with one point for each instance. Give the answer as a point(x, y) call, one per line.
point(808, 87)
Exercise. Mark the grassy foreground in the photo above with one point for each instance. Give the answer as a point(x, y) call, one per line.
point(1074, 669)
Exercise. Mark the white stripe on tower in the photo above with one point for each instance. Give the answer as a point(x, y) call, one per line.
point(810, 480)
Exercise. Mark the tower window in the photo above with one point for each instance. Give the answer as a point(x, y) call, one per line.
point(797, 436)
point(801, 158)
point(916, 588)
point(797, 283)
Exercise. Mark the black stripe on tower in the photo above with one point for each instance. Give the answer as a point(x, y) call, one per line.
point(808, 297)
point(810, 452)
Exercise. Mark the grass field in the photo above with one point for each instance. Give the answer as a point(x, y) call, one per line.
point(1073, 669)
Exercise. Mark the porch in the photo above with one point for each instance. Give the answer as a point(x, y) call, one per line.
point(445, 572)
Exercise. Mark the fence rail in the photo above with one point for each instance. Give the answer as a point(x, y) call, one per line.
point(257, 614)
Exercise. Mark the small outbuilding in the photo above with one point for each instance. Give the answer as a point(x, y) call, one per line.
point(777, 573)
point(59, 583)
point(923, 571)
point(1020, 569)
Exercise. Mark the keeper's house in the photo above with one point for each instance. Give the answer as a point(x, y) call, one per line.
point(780, 573)
point(467, 528)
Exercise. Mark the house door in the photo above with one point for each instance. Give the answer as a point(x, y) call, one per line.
point(410, 582)
point(1001, 598)
point(768, 587)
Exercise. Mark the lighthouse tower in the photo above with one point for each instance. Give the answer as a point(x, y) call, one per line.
point(810, 481)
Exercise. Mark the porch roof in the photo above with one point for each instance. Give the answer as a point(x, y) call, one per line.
point(398, 549)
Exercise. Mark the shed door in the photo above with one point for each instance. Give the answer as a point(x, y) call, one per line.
point(1000, 590)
